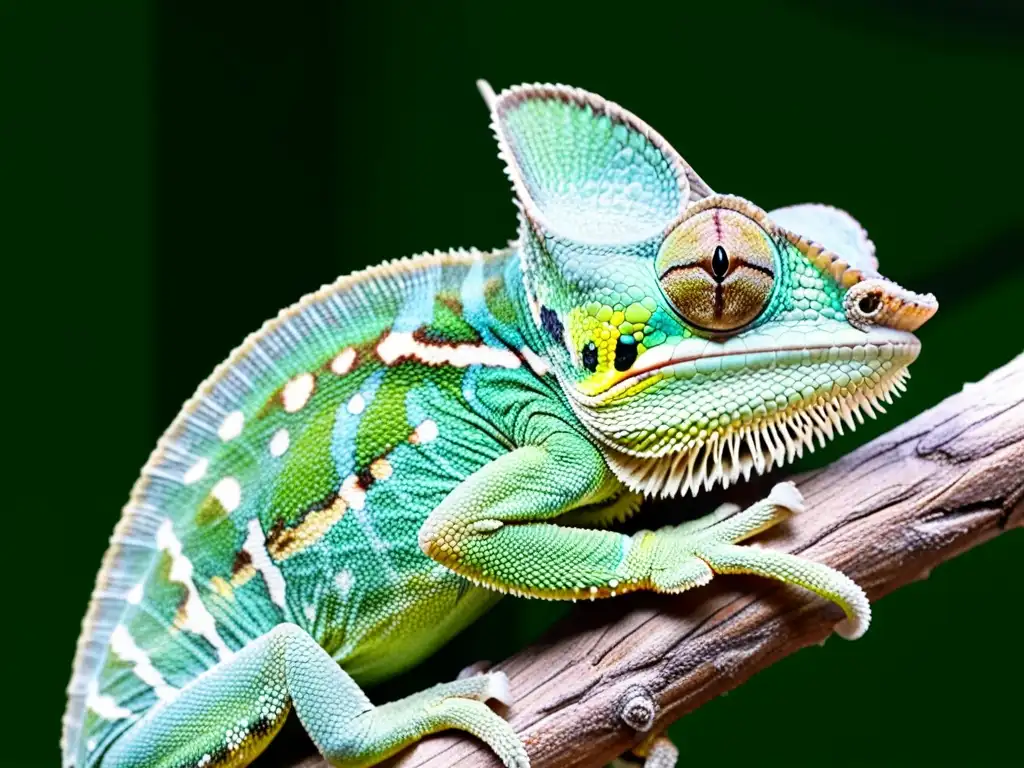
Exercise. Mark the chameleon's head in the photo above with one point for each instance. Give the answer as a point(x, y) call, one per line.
point(697, 337)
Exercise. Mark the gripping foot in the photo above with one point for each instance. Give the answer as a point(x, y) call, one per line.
point(690, 554)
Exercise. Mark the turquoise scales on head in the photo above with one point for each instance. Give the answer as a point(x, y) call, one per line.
point(367, 473)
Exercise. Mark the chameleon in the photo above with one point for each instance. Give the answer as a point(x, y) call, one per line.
point(375, 467)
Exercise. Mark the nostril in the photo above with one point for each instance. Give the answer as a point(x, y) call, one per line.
point(869, 304)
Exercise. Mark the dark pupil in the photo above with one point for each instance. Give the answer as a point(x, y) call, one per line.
point(590, 357)
point(719, 263)
point(625, 355)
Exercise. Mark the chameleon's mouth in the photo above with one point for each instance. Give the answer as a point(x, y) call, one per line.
point(696, 356)
point(694, 419)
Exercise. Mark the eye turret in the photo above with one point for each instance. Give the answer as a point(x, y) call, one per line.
point(718, 269)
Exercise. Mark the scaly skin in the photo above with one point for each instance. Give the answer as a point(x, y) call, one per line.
point(370, 471)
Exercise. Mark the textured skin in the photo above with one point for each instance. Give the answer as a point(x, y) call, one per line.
point(370, 471)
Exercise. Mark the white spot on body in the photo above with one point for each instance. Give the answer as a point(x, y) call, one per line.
point(537, 363)
point(256, 546)
point(279, 443)
point(231, 427)
point(228, 492)
point(426, 432)
point(125, 647)
point(105, 706)
point(197, 471)
point(342, 363)
point(134, 595)
point(297, 392)
point(91, 745)
point(352, 493)
point(378, 544)
point(395, 346)
point(356, 405)
point(195, 617)
point(309, 610)
point(343, 581)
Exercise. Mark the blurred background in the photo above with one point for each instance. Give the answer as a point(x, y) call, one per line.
point(175, 172)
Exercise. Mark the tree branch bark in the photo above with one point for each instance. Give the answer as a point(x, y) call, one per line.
point(948, 480)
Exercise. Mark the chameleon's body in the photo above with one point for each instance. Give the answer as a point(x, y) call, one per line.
point(367, 473)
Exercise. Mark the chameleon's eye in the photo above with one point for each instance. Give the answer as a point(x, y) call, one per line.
point(589, 356)
point(718, 269)
point(625, 354)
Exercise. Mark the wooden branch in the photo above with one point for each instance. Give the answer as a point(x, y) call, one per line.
point(886, 514)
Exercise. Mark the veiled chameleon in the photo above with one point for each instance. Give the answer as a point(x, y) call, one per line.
point(373, 468)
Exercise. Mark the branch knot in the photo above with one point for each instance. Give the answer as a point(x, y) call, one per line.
point(638, 709)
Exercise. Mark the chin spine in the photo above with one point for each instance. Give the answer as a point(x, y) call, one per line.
point(775, 441)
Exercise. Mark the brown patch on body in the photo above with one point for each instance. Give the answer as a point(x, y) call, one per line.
point(283, 542)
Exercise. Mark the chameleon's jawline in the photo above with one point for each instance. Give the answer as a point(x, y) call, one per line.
point(904, 349)
point(725, 458)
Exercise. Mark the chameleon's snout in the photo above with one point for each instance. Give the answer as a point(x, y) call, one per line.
point(878, 302)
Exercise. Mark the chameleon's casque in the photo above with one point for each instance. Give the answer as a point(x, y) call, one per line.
point(368, 472)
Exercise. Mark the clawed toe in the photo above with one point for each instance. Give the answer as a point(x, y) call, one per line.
point(787, 495)
point(498, 688)
point(689, 555)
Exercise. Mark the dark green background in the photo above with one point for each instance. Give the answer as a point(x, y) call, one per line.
point(175, 172)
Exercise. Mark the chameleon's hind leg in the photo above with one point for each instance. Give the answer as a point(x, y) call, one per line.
point(228, 715)
point(658, 751)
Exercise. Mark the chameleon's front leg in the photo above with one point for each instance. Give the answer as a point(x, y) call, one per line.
point(227, 716)
point(499, 528)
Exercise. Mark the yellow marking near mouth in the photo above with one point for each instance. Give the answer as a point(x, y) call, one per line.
point(599, 382)
point(602, 382)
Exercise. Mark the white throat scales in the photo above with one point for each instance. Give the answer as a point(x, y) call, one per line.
point(725, 457)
